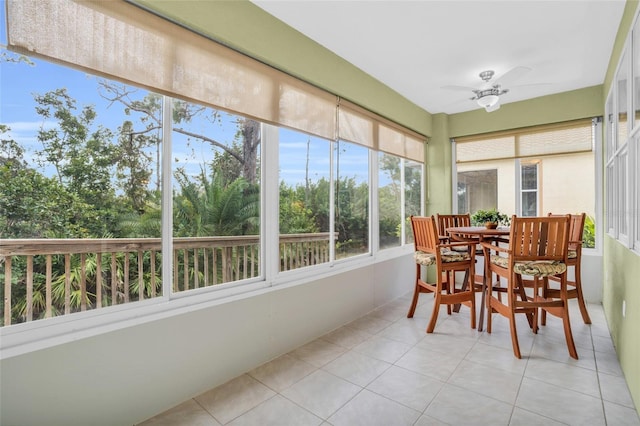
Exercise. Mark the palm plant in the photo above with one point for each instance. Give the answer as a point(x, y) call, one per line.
point(207, 207)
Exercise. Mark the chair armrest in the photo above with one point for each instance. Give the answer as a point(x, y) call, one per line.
point(458, 243)
point(488, 246)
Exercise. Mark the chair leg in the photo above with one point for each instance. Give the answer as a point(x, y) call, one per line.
point(567, 332)
point(436, 311)
point(512, 326)
point(581, 304)
point(488, 307)
point(545, 294)
point(416, 294)
point(470, 286)
point(451, 286)
point(483, 303)
point(523, 297)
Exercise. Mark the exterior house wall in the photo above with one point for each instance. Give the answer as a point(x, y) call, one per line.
point(557, 173)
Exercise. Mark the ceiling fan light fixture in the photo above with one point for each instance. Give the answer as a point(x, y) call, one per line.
point(488, 101)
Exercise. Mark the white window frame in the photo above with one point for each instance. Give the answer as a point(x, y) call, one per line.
point(610, 170)
point(520, 191)
point(623, 156)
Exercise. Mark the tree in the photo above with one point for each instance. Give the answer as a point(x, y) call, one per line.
point(133, 169)
point(186, 112)
point(30, 203)
point(82, 154)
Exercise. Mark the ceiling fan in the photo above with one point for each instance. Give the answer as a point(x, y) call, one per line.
point(488, 95)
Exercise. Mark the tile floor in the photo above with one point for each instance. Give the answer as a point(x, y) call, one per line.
point(383, 369)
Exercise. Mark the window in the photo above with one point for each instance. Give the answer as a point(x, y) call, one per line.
point(161, 198)
point(389, 200)
point(399, 181)
point(622, 166)
point(529, 189)
point(622, 161)
point(413, 172)
point(635, 211)
point(351, 199)
point(216, 195)
point(305, 213)
point(610, 170)
point(76, 167)
point(477, 190)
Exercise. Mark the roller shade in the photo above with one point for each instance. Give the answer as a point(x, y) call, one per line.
point(562, 138)
point(120, 41)
point(358, 125)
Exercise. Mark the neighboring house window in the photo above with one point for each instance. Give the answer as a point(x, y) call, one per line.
point(477, 190)
point(528, 189)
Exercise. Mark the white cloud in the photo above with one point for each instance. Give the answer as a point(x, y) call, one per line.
point(30, 126)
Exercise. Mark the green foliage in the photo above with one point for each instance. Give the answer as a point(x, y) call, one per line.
point(589, 233)
point(481, 217)
point(206, 206)
point(295, 217)
point(82, 154)
point(31, 206)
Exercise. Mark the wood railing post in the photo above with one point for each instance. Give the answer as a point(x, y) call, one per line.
point(7, 290)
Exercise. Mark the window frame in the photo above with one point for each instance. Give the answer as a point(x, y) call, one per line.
point(622, 156)
point(521, 191)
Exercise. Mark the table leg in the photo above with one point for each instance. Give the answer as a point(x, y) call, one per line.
point(465, 284)
point(482, 302)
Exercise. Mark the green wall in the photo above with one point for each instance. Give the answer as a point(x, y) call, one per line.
point(621, 265)
point(247, 28)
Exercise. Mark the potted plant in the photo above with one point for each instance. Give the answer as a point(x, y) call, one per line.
point(490, 218)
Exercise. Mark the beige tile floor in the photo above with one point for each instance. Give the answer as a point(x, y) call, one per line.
point(383, 369)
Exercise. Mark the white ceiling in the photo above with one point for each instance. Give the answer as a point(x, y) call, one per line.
point(417, 47)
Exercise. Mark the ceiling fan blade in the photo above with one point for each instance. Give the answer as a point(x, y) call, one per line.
point(511, 76)
point(459, 88)
point(531, 85)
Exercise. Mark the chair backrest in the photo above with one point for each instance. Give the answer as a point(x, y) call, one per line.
point(539, 238)
point(576, 229)
point(425, 233)
point(452, 220)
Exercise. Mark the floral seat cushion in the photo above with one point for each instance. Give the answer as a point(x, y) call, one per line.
point(423, 258)
point(542, 268)
point(572, 254)
point(447, 256)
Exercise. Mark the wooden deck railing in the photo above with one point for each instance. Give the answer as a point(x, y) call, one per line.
point(48, 277)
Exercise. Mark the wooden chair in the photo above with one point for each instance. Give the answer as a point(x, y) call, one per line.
point(538, 247)
point(445, 221)
point(429, 250)
point(574, 259)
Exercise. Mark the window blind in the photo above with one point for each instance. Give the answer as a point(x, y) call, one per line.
point(356, 124)
point(562, 138)
point(120, 41)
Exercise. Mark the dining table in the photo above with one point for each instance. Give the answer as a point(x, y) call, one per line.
point(480, 234)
